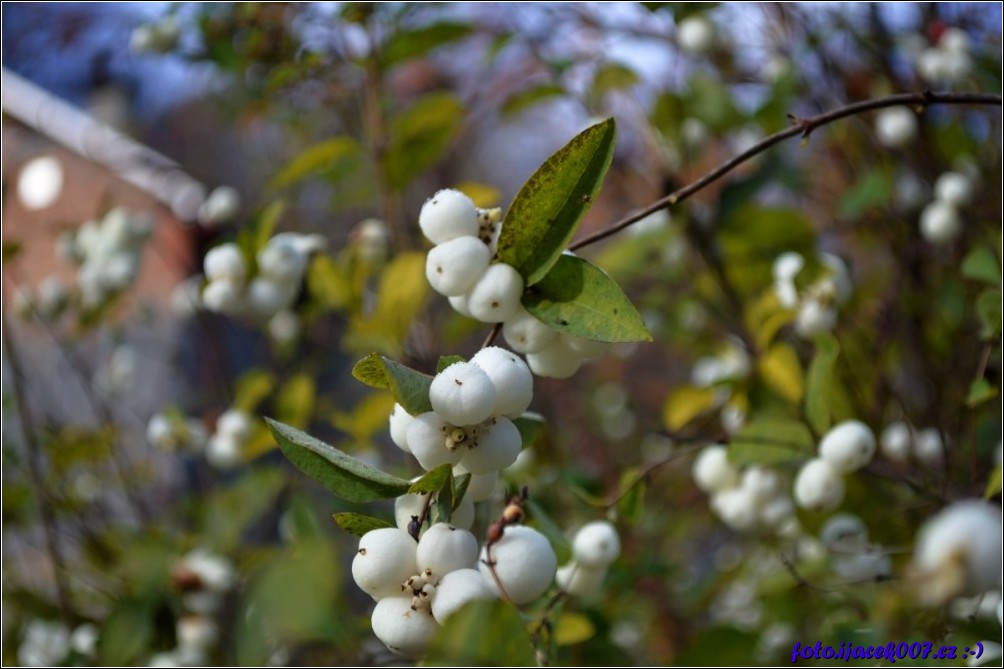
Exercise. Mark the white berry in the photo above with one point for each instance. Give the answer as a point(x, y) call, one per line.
point(445, 548)
point(896, 441)
point(496, 449)
point(234, 423)
point(585, 348)
point(761, 483)
point(385, 559)
point(814, 318)
point(736, 508)
point(895, 127)
point(281, 261)
point(400, 420)
point(579, 580)
point(523, 561)
point(224, 452)
point(940, 222)
point(848, 446)
point(819, 486)
point(266, 296)
point(954, 188)
point(928, 447)
point(223, 296)
point(844, 532)
point(225, 262)
point(456, 589)
point(712, 471)
point(596, 545)
point(452, 267)
point(427, 437)
point(404, 630)
point(526, 334)
point(555, 360)
point(695, 35)
point(495, 297)
point(447, 215)
point(462, 394)
point(511, 377)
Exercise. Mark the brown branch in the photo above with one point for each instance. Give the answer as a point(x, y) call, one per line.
point(490, 339)
point(802, 127)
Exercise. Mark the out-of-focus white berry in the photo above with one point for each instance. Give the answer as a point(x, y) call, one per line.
point(954, 39)
point(940, 222)
point(384, 560)
point(928, 447)
point(696, 35)
point(223, 296)
point(786, 266)
point(579, 580)
point(526, 334)
point(159, 432)
point(281, 261)
point(445, 548)
point(844, 532)
point(215, 573)
point(40, 183)
point(185, 298)
point(404, 630)
point(896, 442)
point(958, 552)
point(524, 562)
point(373, 239)
point(555, 360)
point(596, 545)
point(496, 449)
point(459, 304)
point(512, 379)
point(399, 422)
point(267, 296)
point(584, 348)
point(495, 297)
point(196, 632)
point(712, 471)
point(954, 188)
point(481, 486)
point(819, 486)
point(869, 565)
point(814, 318)
point(848, 446)
point(234, 423)
point(225, 262)
point(284, 326)
point(220, 207)
point(760, 483)
point(427, 437)
point(224, 452)
point(456, 589)
point(447, 215)
point(735, 507)
point(462, 394)
point(896, 127)
point(776, 511)
point(84, 639)
point(693, 132)
point(304, 244)
point(955, 65)
point(452, 267)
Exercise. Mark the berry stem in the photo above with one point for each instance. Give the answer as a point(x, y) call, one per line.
point(490, 339)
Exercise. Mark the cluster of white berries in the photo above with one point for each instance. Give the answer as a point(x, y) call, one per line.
point(225, 448)
point(174, 433)
point(222, 205)
point(853, 558)
point(895, 127)
point(940, 221)
point(462, 267)
point(846, 448)
point(594, 548)
point(730, 364)
point(281, 266)
point(958, 552)
point(118, 373)
point(948, 61)
point(158, 37)
point(899, 442)
point(417, 586)
point(817, 304)
point(747, 499)
point(49, 643)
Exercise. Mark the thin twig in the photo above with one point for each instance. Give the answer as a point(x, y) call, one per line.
point(490, 339)
point(648, 471)
point(802, 127)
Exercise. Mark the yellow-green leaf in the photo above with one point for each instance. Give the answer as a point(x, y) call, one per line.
point(549, 207)
point(995, 484)
point(981, 264)
point(358, 524)
point(780, 368)
point(295, 401)
point(317, 159)
point(819, 383)
point(528, 97)
point(420, 135)
point(686, 403)
point(980, 391)
point(769, 441)
point(573, 628)
point(579, 298)
point(252, 387)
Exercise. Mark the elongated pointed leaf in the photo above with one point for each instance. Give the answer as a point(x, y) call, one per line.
point(350, 479)
point(409, 387)
point(578, 297)
point(432, 481)
point(358, 524)
point(771, 441)
point(819, 384)
point(549, 207)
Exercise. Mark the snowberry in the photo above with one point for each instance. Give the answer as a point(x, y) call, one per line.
point(819, 486)
point(953, 188)
point(481, 486)
point(511, 377)
point(459, 304)
point(760, 483)
point(433, 441)
point(736, 508)
point(928, 447)
point(160, 432)
point(495, 297)
point(814, 318)
point(712, 471)
point(844, 532)
point(896, 127)
point(452, 267)
point(220, 207)
point(776, 511)
point(234, 423)
point(786, 266)
point(695, 35)
point(585, 348)
point(284, 327)
point(958, 551)
point(196, 632)
point(447, 215)
point(526, 334)
point(281, 261)
point(462, 394)
point(523, 561)
point(225, 262)
point(555, 360)
point(385, 559)
point(848, 446)
point(400, 420)
point(579, 580)
point(223, 296)
point(445, 548)
point(896, 441)
point(596, 545)
point(267, 296)
point(403, 629)
point(940, 222)
point(456, 589)
point(869, 565)
point(954, 39)
point(495, 448)
point(224, 452)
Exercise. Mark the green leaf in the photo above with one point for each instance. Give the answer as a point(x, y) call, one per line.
point(995, 483)
point(125, 633)
point(432, 481)
point(686, 403)
point(988, 307)
point(317, 159)
point(358, 524)
point(295, 402)
point(11, 249)
point(461, 484)
point(529, 97)
point(573, 628)
point(420, 135)
point(631, 505)
point(410, 388)
point(781, 370)
point(350, 479)
point(483, 633)
point(769, 441)
point(612, 77)
point(252, 387)
point(979, 392)
point(872, 190)
point(529, 425)
point(406, 44)
point(579, 298)
point(548, 208)
point(447, 360)
point(819, 383)
point(981, 264)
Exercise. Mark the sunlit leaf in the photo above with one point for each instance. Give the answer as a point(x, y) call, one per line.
point(631, 505)
point(686, 403)
point(409, 387)
point(995, 484)
point(573, 628)
point(316, 160)
point(781, 370)
point(819, 383)
point(251, 388)
point(432, 481)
